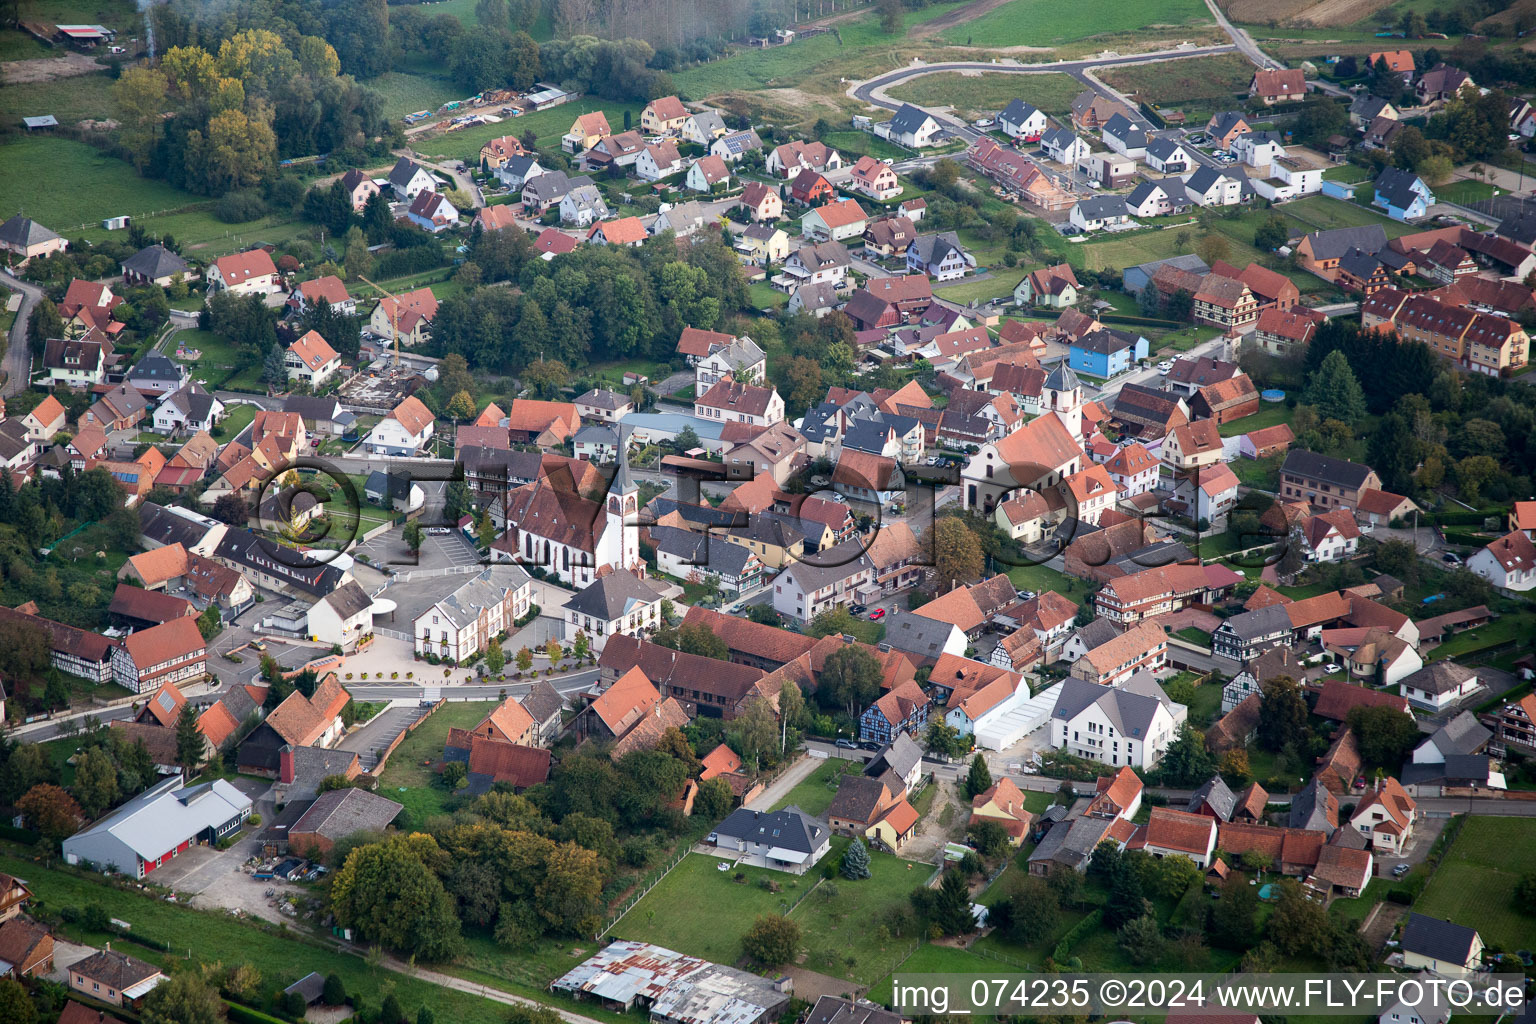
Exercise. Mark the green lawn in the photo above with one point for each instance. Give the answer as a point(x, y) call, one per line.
point(998, 285)
point(1199, 86)
point(1464, 191)
point(1261, 473)
point(213, 936)
point(863, 144)
point(1472, 886)
point(212, 350)
point(835, 919)
point(1052, 93)
point(237, 418)
point(1501, 631)
point(408, 777)
point(788, 66)
point(766, 296)
point(935, 960)
point(406, 92)
point(1206, 707)
point(1040, 578)
point(1320, 212)
point(1183, 341)
point(1270, 414)
point(1047, 23)
point(81, 187)
point(68, 99)
point(1118, 251)
point(814, 793)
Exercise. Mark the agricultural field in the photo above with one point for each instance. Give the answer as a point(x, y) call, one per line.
point(1052, 93)
point(1199, 87)
point(1476, 876)
point(1049, 23)
point(82, 185)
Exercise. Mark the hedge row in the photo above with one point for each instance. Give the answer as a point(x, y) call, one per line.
point(1141, 321)
point(1466, 537)
point(245, 1015)
point(1473, 518)
point(1077, 931)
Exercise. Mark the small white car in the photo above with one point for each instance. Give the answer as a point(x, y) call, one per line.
point(1331, 668)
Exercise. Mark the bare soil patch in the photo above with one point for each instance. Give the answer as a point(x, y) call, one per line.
point(47, 69)
point(1333, 13)
point(959, 16)
point(1266, 12)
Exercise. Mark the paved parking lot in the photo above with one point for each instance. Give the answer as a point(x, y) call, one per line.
point(438, 551)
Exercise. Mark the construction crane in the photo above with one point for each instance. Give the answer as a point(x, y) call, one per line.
point(394, 315)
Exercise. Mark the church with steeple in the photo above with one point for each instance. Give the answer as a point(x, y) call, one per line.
point(549, 525)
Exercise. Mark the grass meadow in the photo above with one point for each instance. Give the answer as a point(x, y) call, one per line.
point(1048, 23)
point(1472, 886)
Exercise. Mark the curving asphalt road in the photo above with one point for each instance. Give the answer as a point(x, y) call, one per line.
point(18, 362)
point(872, 90)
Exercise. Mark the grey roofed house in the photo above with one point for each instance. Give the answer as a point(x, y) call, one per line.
point(1335, 242)
point(1153, 556)
point(1130, 708)
point(1136, 277)
point(1367, 108)
point(741, 142)
point(1017, 112)
point(1102, 207)
point(1300, 462)
point(312, 986)
point(1259, 622)
point(463, 603)
point(1204, 177)
point(907, 119)
point(933, 248)
point(597, 434)
point(1455, 770)
point(711, 553)
point(347, 600)
point(1164, 148)
point(311, 766)
point(1397, 187)
point(709, 122)
point(1058, 138)
point(1463, 734)
point(1518, 227)
point(789, 829)
point(898, 757)
point(1438, 940)
point(1218, 795)
point(602, 398)
point(1105, 340)
point(1359, 263)
point(341, 812)
point(682, 219)
point(1225, 121)
point(830, 566)
point(551, 186)
point(706, 516)
point(517, 167)
point(836, 1010)
point(1096, 633)
point(918, 634)
point(154, 262)
point(382, 487)
point(815, 297)
point(499, 466)
point(772, 530)
point(165, 528)
point(192, 401)
point(613, 596)
point(118, 972)
point(314, 408)
point(858, 799)
point(22, 232)
point(243, 550)
point(1127, 131)
point(543, 702)
point(401, 174)
point(1142, 192)
point(587, 197)
point(1314, 807)
point(1071, 843)
point(156, 366)
point(868, 434)
point(760, 232)
point(1439, 677)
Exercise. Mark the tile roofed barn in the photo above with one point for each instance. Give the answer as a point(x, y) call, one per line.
point(341, 812)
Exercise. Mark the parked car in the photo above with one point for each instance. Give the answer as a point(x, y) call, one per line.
point(859, 609)
point(1400, 870)
point(877, 615)
point(846, 744)
point(1331, 668)
point(1451, 558)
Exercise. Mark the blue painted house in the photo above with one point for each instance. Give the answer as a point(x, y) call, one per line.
point(1106, 352)
point(1403, 194)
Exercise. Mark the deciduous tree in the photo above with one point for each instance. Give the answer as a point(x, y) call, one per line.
point(772, 940)
point(957, 553)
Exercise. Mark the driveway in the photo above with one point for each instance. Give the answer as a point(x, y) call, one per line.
point(18, 357)
point(379, 733)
